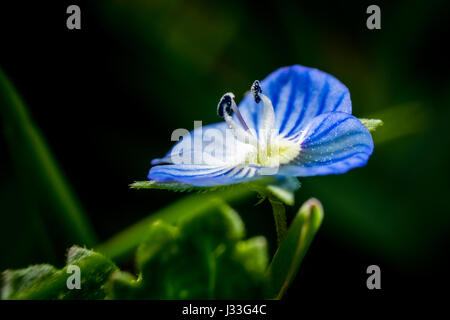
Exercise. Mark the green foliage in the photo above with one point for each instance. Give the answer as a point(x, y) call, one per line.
point(95, 271)
point(122, 245)
point(49, 198)
point(46, 282)
point(203, 255)
point(23, 283)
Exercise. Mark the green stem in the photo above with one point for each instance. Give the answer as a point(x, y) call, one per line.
point(279, 214)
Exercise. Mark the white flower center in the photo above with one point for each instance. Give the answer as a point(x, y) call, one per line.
point(268, 148)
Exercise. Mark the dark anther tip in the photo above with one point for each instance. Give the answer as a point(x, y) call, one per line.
point(224, 105)
point(256, 90)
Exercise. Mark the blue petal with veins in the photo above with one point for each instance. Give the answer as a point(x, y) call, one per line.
point(301, 124)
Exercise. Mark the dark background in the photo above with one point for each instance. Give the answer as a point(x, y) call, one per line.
point(108, 96)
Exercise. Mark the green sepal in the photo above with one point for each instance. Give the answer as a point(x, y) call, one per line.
point(284, 189)
point(184, 187)
point(372, 124)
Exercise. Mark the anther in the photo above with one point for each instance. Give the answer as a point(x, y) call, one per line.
point(256, 90)
point(225, 104)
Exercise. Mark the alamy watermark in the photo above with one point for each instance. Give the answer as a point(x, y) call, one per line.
point(374, 20)
point(217, 146)
point(374, 280)
point(74, 20)
point(74, 280)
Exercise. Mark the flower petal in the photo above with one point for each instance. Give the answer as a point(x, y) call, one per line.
point(202, 175)
point(298, 95)
point(210, 156)
point(333, 143)
point(212, 144)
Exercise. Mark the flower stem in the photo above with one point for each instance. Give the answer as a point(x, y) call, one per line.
point(279, 214)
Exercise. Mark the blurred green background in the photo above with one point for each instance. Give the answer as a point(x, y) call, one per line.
point(106, 98)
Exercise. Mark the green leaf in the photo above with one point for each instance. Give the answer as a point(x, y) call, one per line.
point(201, 256)
point(46, 282)
point(222, 225)
point(180, 262)
point(122, 245)
point(18, 282)
point(252, 253)
point(240, 270)
point(95, 271)
point(42, 181)
point(159, 236)
point(372, 124)
point(168, 271)
point(122, 286)
point(290, 254)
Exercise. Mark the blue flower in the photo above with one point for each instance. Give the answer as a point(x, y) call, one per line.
point(296, 122)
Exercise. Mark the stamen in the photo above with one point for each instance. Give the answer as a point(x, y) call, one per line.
point(269, 114)
point(226, 105)
point(241, 135)
point(224, 110)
